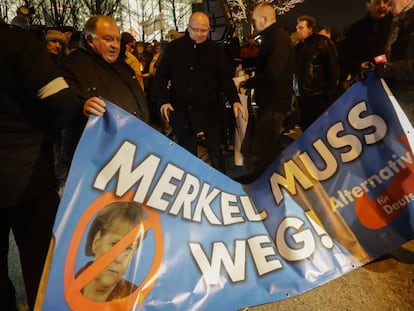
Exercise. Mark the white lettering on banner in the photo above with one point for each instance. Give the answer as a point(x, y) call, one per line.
point(393, 206)
point(121, 165)
point(169, 188)
point(261, 248)
point(211, 272)
point(350, 146)
point(301, 245)
point(174, 191)
point(302, 237)
point(345, 197)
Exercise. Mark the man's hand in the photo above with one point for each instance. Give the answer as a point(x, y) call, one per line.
point(238, 107)
point(94, 105)
point(165, 111)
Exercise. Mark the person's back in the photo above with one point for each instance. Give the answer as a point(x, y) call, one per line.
point(34, 99)
point(23, 124)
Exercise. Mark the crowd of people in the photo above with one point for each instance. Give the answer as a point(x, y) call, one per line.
point(52, 83)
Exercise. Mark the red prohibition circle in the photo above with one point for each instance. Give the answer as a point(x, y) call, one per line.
point(73, 285)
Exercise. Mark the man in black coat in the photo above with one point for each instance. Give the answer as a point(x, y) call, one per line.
point(364, 40)
point(191, 73)
point(272, 84)
point(398, 71)
point(34, 100)
point(98, 71)
point(316, 71)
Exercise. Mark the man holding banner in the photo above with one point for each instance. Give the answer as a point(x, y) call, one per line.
point(398, 68)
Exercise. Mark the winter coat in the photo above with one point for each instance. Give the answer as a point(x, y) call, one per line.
point(364, 40)
point(192, 77)
point(114, 82)
point(399, 70)
point(274, 66)
point(316, 67)
point(29, 110)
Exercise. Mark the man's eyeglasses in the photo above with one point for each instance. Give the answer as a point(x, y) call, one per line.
point(199, 30)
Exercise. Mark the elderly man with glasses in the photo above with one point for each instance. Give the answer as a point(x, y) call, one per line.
point(191, 74)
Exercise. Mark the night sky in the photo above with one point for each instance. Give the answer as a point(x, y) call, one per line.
point(336, 14)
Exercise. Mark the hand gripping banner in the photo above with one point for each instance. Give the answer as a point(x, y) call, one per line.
point(145, 225)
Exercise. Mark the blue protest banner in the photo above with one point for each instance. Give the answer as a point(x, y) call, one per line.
point(144, 225)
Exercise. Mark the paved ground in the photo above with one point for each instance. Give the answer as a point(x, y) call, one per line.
point(386, 284)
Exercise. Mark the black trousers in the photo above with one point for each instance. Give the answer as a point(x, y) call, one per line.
point(311, 108)
point(263, 141)
point(186, 137)
point(31, 223)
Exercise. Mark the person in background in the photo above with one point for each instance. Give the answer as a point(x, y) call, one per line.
point(192, 73)
point(248, 52)
point(74, 40)
point(272, 84)
point(174, 34)
point(35, 100)
point(398, 69)
point(128, 42)
point(156, 119)
point(22, 18)
point(316, 71)
point(141, 54)
point(364, 40)
point(325, 31)
point(56, 44)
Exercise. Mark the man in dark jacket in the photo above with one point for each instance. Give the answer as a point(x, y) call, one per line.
point(316, 71)
point(272, 84)
point(98, 71)
point(191, 73)
point(34, 99)
point(399, 69)
point(365, 40)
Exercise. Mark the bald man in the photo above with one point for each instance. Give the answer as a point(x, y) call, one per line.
point(272, 83)
point(191, 74)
